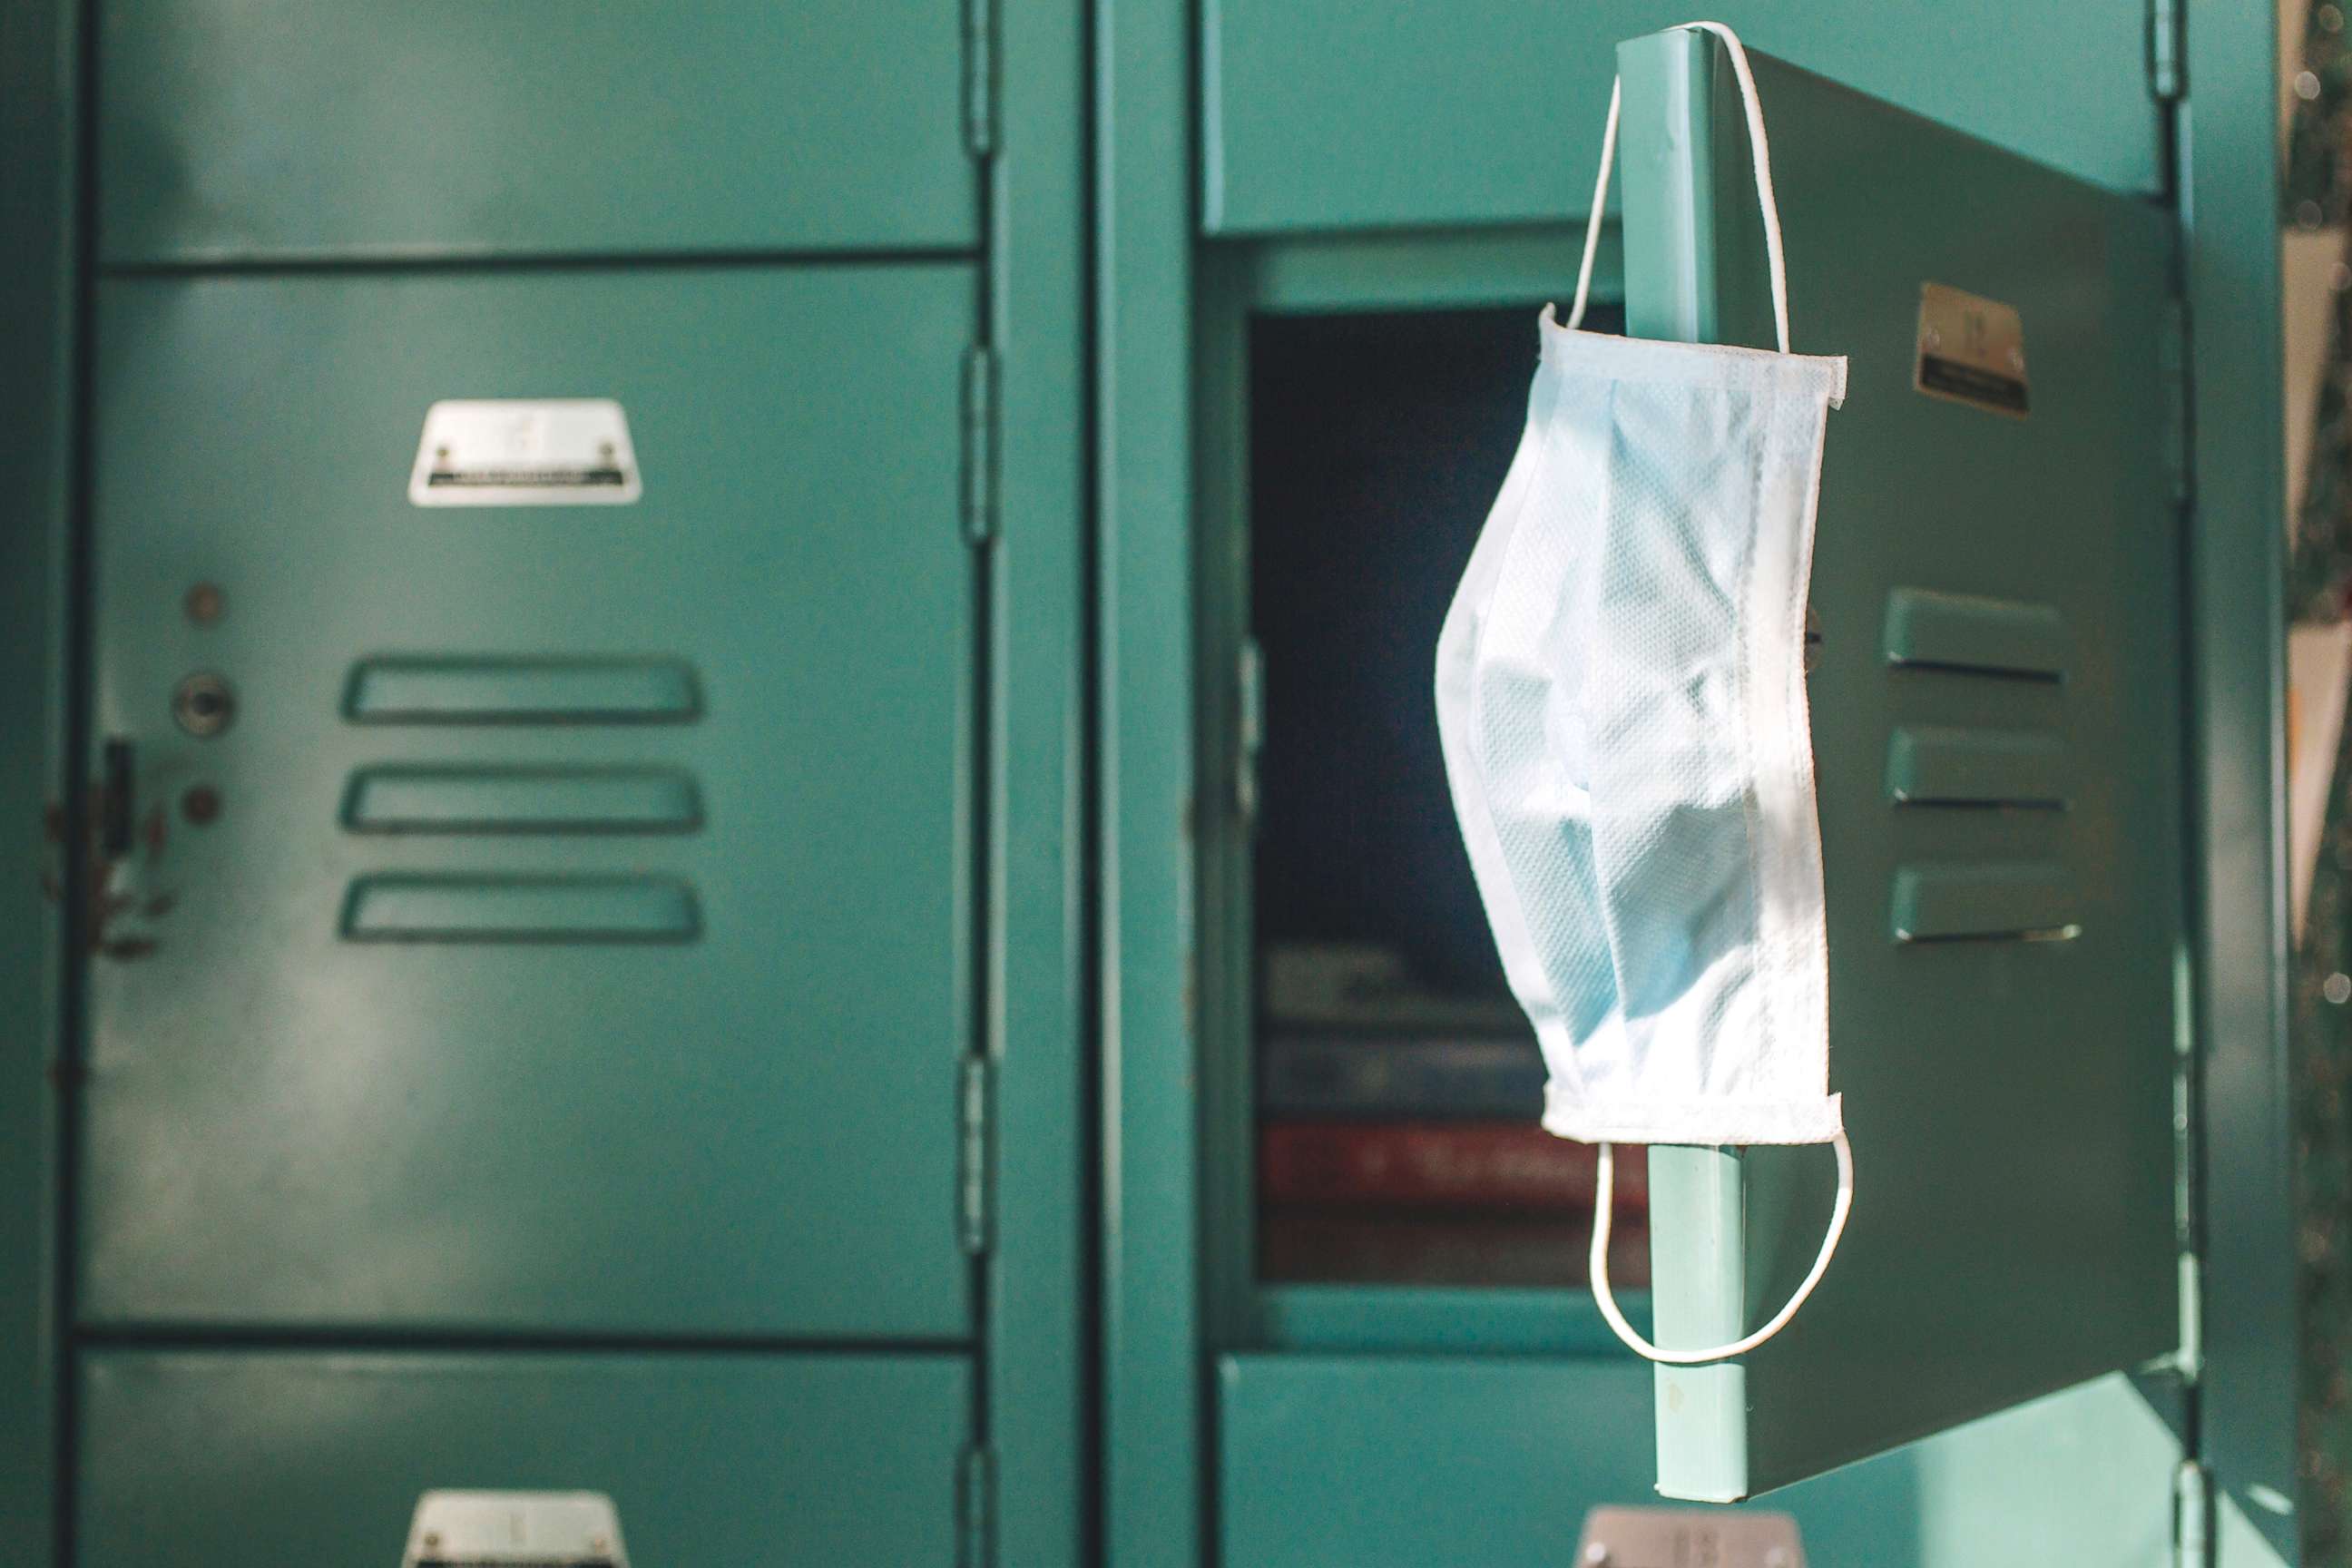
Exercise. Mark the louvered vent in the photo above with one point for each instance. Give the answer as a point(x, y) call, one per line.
point(1983, 773)
point(491, 797)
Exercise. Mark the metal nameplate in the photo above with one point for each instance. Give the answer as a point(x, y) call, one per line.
point(515, 1529)
point(569, 451)
point(1688, 1538)
point(1971, 350)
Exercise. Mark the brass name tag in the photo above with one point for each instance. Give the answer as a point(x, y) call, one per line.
point(1971, 351)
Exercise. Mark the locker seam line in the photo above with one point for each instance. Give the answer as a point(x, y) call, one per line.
point(541, 261)
point(70, 770)
point(974, 1512)
point(292, 1338)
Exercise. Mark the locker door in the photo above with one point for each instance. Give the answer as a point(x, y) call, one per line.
point(1319, 115)
point(319, 1456)
point(536, 918)
point(1995, 729)
point(405, 129)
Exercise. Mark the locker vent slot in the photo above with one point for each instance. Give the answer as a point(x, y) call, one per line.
point(2012, 638)
point(411, 907)
point(1932, 765)
point(439, 690)
point(2011, 902)
point(405, 799)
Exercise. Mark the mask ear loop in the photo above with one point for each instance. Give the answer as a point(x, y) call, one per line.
point(1624, 1331)
point(1762, 156)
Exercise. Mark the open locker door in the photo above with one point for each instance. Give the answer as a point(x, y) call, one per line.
point(1996, 699)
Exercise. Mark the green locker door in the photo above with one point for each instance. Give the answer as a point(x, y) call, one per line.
point(565, 930)
point(1996, 731)
point(407, 129)
point(317, 1456)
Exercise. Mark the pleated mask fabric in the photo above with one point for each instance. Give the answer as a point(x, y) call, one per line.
point(1621, 706)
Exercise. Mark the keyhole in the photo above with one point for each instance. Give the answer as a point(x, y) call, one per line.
point(203, 705)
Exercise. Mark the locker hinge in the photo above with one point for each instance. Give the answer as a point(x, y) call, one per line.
point(2173, 366)
point(2187, 1234)
point(2164, 50)
point(2193, 1516)
point(980, 77)
point(975, 1507)
point(975, 1117)
point(1249, 728)
point(980, 444)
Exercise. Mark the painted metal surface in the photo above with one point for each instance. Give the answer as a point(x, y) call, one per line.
point(1334, 271)
point(856, 139)
point(2229, 198)
point(610, 1080)
point(38, 252)
point(274, 130)
point(1336, 114)
point(1154, 1464)
point(1401, 1461)
point(212, 1458)
point(1040, 1291)
point(1444, 1319)
point(1142, 206)
point(1369, 1461)
point(2009, 1096)
point(2226, 150)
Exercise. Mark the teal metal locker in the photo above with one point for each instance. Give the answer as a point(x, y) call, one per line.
point(575, 929)
point(1395, 166)
point(1323, 115)
point(236, 133)
point(587, 986)
point(320, 1456)
point(673, 204)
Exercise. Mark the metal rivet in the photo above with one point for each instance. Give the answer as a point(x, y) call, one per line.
point(2338, 988)
point(205, 604)
point(1597, 1555)
point(201, 804)
point(2331, 18)
point(2314, 1244)
point(203, 704)
point(2306, 85)
point(2309, 215)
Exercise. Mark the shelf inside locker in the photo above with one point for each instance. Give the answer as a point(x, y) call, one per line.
point(1397, 1085)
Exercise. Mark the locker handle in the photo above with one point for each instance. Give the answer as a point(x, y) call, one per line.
point(118, 803)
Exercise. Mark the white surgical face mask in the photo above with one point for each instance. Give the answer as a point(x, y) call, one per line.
point(1621, 698)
